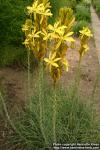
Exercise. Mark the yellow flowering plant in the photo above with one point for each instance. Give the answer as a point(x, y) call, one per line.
point(85, 35)
point(60, 35)
point(50, 43)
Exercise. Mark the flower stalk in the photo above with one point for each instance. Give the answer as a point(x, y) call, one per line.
point(54, 115)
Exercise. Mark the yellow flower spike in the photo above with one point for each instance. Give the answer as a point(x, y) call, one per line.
point(66, 16)
point(41, 9)
point(52, 60)
point(85, 32)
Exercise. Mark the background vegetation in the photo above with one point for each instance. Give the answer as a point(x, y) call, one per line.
point(96, 4)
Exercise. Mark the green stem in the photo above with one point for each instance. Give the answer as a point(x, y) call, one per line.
point(54, 115)
point(41, 94)
point(28, 77)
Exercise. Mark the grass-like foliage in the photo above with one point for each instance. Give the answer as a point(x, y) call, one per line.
point(74, 120)
point(83, 13)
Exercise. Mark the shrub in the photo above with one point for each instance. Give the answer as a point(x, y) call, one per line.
point(82, 13)
point(12, 16)
point(79, 25)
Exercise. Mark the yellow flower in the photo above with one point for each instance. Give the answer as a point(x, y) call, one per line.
point(34, 35)
point(26, 43)
point(64, 38)
point(57, 28)
point(52, 60)
point(29, 10)
point(39, 9)
point(58, 32)
point(47, 4)
point(45, 34)
point(86, 32)
point(27, 26)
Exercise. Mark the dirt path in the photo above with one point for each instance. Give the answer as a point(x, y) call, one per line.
point(96, 30)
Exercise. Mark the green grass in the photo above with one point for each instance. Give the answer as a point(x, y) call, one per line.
point(83, 13)
point(74, 120)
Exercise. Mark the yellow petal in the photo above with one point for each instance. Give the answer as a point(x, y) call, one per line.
point(53, 55)
point(70, 33)
point(57, 59)
point(69, 39)
point(55, 64)
point(46, 60)
point(50, 27)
